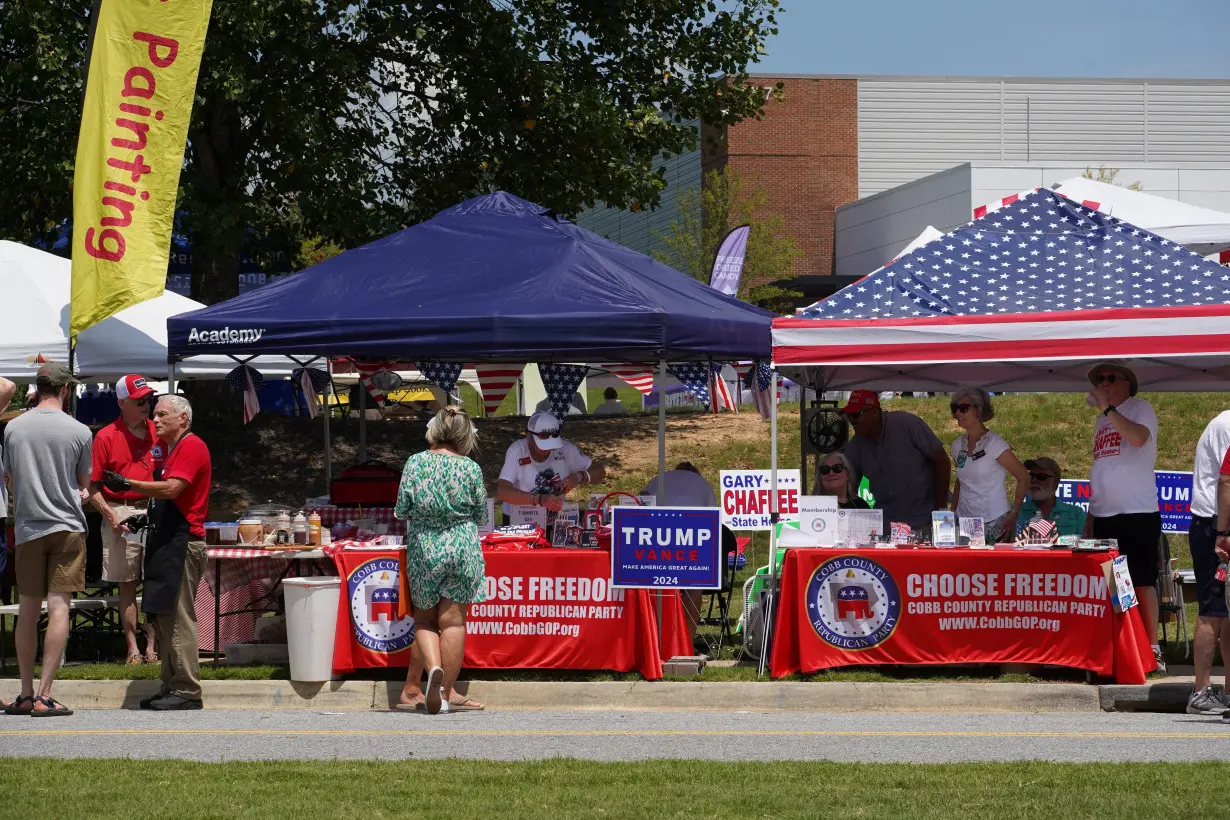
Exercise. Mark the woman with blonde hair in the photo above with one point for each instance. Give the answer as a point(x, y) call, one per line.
point(443, 501)
point(834, 477)
point(983, 460)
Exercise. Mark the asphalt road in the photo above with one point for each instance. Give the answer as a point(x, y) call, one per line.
point(616, 736)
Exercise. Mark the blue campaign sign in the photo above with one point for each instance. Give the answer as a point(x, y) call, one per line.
point(666, 547)
point(1174, 498)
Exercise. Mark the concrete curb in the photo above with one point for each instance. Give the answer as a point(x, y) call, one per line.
point(621, 696)
point(1156, 696)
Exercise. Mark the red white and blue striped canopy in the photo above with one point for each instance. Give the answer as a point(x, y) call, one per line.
point(1023, 298)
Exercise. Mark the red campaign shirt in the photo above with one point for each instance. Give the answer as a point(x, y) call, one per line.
point(189, 461)
point(118, 450)
point(1225, 464)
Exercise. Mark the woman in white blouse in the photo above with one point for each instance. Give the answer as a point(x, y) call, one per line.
point(983, 460)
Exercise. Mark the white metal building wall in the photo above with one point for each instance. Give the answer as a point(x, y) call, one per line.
point(912, 127)
point(643, 230)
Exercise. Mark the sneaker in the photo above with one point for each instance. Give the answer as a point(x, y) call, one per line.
point(147, 703)
point(1161, 661)
point(1219, 692)
point(174, 703)
point(1205, 702)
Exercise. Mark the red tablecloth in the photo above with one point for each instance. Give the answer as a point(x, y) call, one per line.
point(931, 606)
point(546, 609)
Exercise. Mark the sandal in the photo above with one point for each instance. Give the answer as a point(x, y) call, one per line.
point(133, 660)
point(465, 705)
point(14, 708)
point(420, 706)
point(53, 708)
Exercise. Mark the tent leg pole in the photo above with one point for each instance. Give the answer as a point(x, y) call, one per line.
point(771, 589)
point(171, 377)
point(661, 473)
point(328, 432)
point(362, 422)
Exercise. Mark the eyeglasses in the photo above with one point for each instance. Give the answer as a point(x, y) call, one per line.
point(141, 402)
point(854, 417)
point(1042, 476)
point(961, 408)
point(1109, 378)
point(546, 434)
point(835, 469)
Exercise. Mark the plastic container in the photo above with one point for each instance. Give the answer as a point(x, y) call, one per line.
point(300, 529)
point(250, 532)
point(311, 622)
point(228, 533)
point(213, 533)
point(314, 529)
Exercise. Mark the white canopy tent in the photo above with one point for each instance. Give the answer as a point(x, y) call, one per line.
point(1198, 229)
point(36, 287)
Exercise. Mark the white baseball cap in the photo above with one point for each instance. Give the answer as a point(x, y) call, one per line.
point(545, 423)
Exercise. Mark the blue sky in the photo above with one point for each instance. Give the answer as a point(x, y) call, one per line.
point(1037, 38)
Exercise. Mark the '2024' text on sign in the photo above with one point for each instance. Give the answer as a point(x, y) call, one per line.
point(666, 547)
point(747, 498)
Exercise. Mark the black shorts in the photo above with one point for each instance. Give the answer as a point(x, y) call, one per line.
point(1139, 535)
point(1210, 592)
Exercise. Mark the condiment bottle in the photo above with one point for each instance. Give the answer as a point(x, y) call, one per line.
point(283, 530)
point(301, 528)
point(314, 529)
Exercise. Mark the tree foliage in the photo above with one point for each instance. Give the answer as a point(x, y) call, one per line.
point(1109, 175)
point(725, 201)
point(347, 119)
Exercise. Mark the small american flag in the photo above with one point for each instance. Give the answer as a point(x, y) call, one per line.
point(756, 377)
point(1038, 531)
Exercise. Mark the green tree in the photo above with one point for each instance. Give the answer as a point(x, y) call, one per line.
point(1109, 175)
point(348, 119)
point(724, 202)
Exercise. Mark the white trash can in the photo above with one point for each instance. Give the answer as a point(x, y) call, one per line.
point(311, 621)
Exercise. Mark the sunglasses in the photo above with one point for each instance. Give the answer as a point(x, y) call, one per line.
point(141, 402)
point(854, 417)
point(1109, 378)
point(961, 408)
point(1041, 476)
point(835, 469)
point(546, 434)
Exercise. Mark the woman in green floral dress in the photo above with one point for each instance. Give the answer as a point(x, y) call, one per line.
point(443, 501)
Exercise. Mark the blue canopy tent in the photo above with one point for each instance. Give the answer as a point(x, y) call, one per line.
point(495, 278)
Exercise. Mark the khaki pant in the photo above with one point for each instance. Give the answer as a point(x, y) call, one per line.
point(177, 633)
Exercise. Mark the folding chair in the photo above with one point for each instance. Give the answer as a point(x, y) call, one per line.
point(731, 550)
point(1170, 596)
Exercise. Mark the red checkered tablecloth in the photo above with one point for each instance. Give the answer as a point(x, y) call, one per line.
point(247, 578)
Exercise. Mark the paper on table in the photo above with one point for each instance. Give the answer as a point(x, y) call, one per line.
point(973, 529)
point(818, 518)
point(527, 514)
point(859, 526)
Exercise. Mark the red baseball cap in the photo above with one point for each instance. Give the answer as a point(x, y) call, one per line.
point(861, 400)
point(133, 386)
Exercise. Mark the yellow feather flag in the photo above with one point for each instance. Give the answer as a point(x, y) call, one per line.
point(138, 100)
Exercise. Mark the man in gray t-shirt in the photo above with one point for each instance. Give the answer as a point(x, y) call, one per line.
point(47, 458)
point(905, 464)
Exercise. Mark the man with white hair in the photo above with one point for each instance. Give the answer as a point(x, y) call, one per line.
point(174, 549)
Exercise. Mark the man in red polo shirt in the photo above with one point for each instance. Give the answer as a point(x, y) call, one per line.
point(129, 447)
point(174, 550)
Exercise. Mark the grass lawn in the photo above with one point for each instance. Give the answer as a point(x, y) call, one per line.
point(571, 788)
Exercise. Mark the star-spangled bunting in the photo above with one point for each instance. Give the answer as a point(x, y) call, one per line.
point(756, 377)
point(718, 390)
point(443, 375)
point(561, 382)
point(695, 377)
point(639, 376)
point(1041, 253)
point(366, 371)
point(311, 380)
point(248, 380)
point(496, 380)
